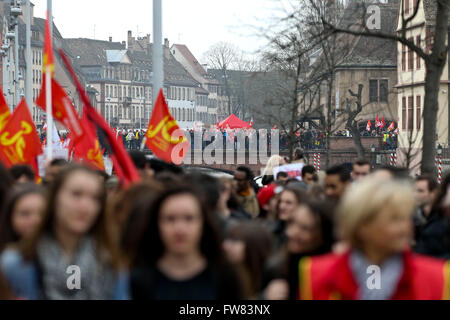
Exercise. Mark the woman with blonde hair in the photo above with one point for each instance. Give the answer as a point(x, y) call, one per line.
point(273, 162)
point(375, 219)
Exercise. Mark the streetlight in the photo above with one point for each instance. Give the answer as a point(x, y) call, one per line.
point(439, 150)
point(372, 150)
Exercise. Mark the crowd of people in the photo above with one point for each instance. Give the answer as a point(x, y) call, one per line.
point(191, 236)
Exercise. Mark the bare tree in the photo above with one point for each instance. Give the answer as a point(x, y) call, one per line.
point(435, 62)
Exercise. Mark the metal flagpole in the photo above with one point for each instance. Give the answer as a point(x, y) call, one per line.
point(28, 77)
point(158, 54)
point(16, 60)
point(48, 92)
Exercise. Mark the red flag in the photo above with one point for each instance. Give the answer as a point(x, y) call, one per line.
point(369, 126)
point(63, 109)
point(49, 60)
point(275, 127)
point(5, 114)
point(377, 122)
point(122, 162)
point(392, 126)
point(160, 134)
point(19, 141)
point(251, 123)
point(383, 123)
point(87, 150)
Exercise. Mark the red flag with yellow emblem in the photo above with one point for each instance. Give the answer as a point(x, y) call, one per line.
point(164, 136)
point(87, 150)
point(62, 106)
point(5, 114)
point(63, 109)
point(19, 141)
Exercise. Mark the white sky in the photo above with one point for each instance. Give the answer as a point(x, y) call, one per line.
point(196, 23)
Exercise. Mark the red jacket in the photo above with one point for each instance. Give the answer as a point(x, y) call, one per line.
point(329, 277)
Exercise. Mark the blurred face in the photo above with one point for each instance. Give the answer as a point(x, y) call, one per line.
point(360, 172)
point(235, 250)
point(288, 202)
point(181, 224)
point(23, 179)
point(389, 232)
point(334, 187)
point(78, 203)
point(51, 172)
point(27, 214)
point(225, 194)
point(241, 181)
point(422, 193)
point(308, 178)
point(302, 231)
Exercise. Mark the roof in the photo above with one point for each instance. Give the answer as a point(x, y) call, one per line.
point(190, 58)
point(115, 56)
point(366, 51)
point(91, 52)
point(201, 90)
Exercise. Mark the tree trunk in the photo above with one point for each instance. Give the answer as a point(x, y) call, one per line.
point(356, 136)
point(434, 68)
point(329, 123)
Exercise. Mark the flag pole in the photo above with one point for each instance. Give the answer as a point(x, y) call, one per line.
point(48, 91)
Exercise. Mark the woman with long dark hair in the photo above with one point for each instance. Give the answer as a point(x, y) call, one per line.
point(72, 255)
point(309, 233)
point(21, 214)
point(179, 255)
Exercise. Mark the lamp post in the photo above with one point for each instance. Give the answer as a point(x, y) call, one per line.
point(372, 151)
point(439, 150)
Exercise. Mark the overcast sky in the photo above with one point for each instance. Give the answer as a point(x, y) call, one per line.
point(196, 23)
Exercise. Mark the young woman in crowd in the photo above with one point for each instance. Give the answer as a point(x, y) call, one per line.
point(375, 219)
point(289, 199)
point(309, 233)
point(268, 176)
point(21, 214)
point(180, 256)
point(248, 245)
point(74, 232)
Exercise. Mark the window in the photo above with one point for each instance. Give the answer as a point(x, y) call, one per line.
point(383, 90)
point(403, 58)
point(404, 113)
point(410, 113)
point(406, 7)
point(415, 5)
point(410, 57)
point(418, 112)
point(418, 40)
point(373, 90)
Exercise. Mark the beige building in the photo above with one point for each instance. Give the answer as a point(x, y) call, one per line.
point(411, 85)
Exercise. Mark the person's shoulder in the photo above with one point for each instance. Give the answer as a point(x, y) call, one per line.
point(10, 259)
point(426, 264)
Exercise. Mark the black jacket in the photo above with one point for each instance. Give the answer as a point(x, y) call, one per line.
point(434, 237)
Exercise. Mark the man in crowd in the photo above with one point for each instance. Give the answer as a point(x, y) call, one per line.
point(336, 182)
point(245, 193)
point(309, 175)
point(361, 168)
point(425, 191)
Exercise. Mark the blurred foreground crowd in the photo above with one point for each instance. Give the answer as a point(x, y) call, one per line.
point(184, 235)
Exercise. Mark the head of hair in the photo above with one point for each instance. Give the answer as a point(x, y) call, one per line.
point(298, 154)
point(274, 161)
point(138, 158)
point(323, 213)
point(150, 245)
point(258, 246)
point(101, 230)
point(299, 193)
point(282, 174)
point(7, 233)
point(362, 162)
point(437, 205)
point(341, 171)
point(248, 173)
point(58, 162)
point(207, 187)
point(431, 181)
point(20, 170)
point(396, 172)
point(6, 182)
point(308, 169)
point(365, 200)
